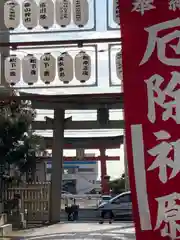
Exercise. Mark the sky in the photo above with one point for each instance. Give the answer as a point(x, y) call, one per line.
point(105, 71)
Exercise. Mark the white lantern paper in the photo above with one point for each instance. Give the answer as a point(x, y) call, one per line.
point(116, 17)
point(65, 68)
point(30, 69)
point(11, 14)
point(12, 67)
point(82, 67)
point(80, 12)
point(29, 14)
point(118, 60)
point(46, 13)
point(63, 12)
point(47, 68)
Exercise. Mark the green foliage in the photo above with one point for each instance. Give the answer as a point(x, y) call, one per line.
point(18, 143)
point(118, 185)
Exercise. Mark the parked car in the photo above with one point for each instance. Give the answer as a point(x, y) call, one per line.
point(120, 206)
point(104, 199)
point(65, 194)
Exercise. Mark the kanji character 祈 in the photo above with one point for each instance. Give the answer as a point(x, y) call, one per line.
point(161, 153)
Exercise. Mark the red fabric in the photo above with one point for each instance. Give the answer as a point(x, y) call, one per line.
point(134, 44)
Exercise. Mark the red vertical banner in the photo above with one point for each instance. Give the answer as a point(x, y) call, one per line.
point(150, 33)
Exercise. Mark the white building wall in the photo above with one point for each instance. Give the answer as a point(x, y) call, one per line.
point(85, 181)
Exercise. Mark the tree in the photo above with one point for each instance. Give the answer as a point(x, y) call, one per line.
point(18, 143)
point(118, 186)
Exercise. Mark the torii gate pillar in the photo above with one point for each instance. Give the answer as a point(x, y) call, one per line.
point(57, 165)
point(104, 180)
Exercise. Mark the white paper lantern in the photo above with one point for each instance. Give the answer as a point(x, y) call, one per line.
point(80, 12)
point(46, 13)
point(116, 17)
point(29, 14)
point(63, 12)
point(12, 67)
point(118, 60)
point(65, 68)
point(30, 69)
point(47, 68)
point(82, 67)
point(11, 14)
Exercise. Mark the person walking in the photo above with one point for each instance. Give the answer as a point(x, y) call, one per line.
point(75, 210)
point(106, 215)
point(69, 212)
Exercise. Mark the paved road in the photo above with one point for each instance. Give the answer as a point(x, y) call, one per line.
point(83, 203)
point(84, 231)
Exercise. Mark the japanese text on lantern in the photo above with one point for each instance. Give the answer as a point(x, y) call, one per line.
point(166, 152)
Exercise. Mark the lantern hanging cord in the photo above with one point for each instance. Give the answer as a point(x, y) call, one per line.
point(75, 42)
point(111, 132)
point(74, 50)
point(79, 113)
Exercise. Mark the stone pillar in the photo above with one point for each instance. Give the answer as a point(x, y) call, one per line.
point(104, 180)
point(57, 165)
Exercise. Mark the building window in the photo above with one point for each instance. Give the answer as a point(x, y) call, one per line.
point(83, 170)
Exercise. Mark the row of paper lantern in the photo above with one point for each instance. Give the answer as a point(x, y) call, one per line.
point(46, 13)
point(118, 62)
point(30, 68)
point(116, 17)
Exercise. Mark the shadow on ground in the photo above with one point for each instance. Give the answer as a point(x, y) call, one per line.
point(121, 233)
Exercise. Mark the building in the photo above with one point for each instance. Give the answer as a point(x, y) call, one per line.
point(78, 176)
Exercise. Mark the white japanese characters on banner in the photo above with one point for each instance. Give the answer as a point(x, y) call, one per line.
point(174, 5)
point(12, 68)
point(47, 68)
point(118, 62)
point(151, 72)
point(11, 14)
point(82, 67)
point(46, 13)
point(30, 69)
point(65, 67)
point(171, 109)
point(116, 12)
point(29, 14)
point(142, 6)
point(80, 12)
point(63, 12)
